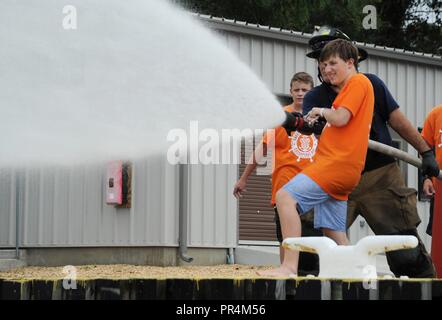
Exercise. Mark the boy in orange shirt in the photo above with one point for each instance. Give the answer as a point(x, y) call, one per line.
point(432, 134)
point(340, 157)
point(291, 154)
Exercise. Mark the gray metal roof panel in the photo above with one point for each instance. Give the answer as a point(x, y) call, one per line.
point(301, 37)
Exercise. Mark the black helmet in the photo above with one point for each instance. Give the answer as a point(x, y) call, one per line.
point(324, 35)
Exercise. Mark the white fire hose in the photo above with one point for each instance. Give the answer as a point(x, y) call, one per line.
point(396, 153)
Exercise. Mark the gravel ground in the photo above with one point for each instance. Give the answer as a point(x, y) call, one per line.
point(135, 272)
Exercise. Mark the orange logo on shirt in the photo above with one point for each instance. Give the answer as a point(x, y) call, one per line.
point(303, 146)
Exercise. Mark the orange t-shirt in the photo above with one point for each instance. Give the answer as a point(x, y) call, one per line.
point(290, 154)
point(432, 131)
point(341, 153)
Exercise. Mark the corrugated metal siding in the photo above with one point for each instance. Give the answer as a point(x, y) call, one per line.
point(212, 207)
point(273, 61)
point(66, 207)
point(7, 207)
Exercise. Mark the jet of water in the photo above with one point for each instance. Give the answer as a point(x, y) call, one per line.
point(108, 79)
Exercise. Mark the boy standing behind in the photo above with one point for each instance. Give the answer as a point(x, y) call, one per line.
point(288, 157)
point(432, 133)
point(340, 157)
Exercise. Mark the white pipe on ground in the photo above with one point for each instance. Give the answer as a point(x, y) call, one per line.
point(355, 262)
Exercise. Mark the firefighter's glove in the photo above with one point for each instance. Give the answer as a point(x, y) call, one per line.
point(429, 164)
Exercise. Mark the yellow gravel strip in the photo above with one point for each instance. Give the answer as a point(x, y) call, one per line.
point(121, 271)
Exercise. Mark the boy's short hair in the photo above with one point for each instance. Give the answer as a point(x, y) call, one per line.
point(344, 49)
point(302, 77)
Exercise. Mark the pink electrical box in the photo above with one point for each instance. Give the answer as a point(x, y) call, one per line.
point(114, 180)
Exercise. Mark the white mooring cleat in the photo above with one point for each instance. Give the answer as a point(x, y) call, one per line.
point(358, 261)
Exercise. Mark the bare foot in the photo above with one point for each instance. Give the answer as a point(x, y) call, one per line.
point(281, 272)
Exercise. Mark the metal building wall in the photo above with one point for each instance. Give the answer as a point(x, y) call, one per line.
point(65, 207)
point(273, 61)
point(7, 207)
point(213, 220)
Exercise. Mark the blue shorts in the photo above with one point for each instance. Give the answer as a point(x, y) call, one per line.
point(329, 212)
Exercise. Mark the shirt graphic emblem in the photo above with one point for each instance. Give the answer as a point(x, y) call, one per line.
point(303, 146)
